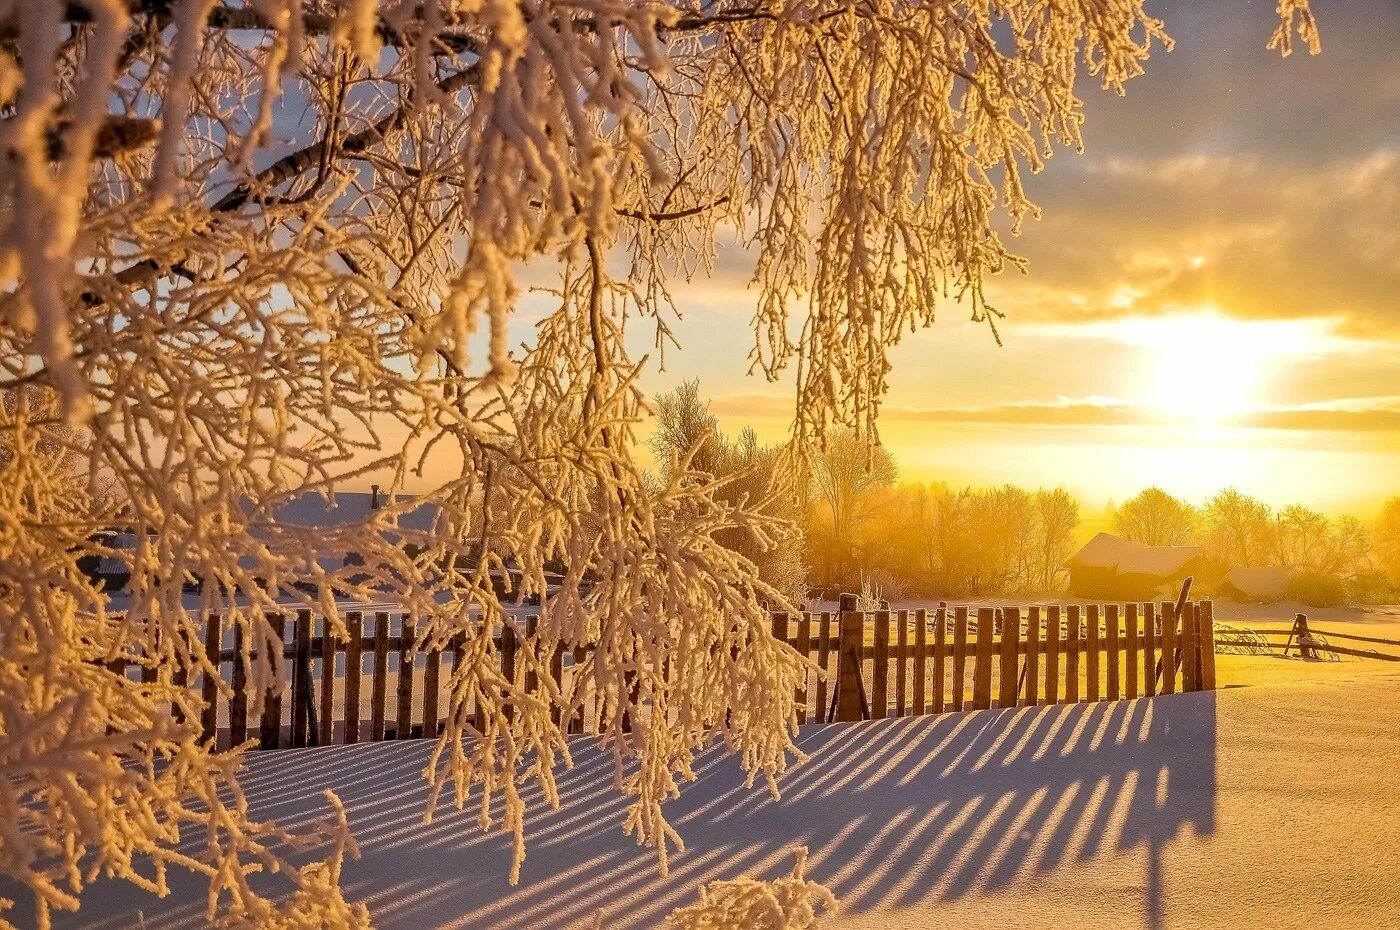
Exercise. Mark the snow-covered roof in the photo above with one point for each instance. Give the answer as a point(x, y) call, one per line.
point(346, 507)
point(1261, 581)
point(1132, 558)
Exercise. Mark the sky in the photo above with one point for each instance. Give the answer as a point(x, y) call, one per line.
point(1213, 297)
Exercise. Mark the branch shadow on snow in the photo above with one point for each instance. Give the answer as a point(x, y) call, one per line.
point(897, 812)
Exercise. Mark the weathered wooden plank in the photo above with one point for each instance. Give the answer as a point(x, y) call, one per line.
point(982, 667)
point(1207, 635)
point(804, 646)
point(959, 683)
point(1091, 653)
point(1168, 657)
point(1053, 637)
point(901, 680)
point(580, 690)
point(379, 688)
point(301, 678)
point(1132, 671)
point(880, 673)
point(328, 651)
point(1113, 646)
point(508, 670)
point(556, 672)
point(403, 692)
point(920, 701)
point(1149, 649)
point(213, 649)
point(1010, 646)
point(1187, 646)
point(432, 684)
point(823, 659)
point(940, 658)
point(270, 727)
point(848, 665)
point(238, 705)
point(354, 668)
point(1031, 672)
point(1072, 645)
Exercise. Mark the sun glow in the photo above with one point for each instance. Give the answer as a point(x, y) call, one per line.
point(1208, 367)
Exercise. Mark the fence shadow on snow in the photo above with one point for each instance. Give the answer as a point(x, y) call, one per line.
point(896, 812)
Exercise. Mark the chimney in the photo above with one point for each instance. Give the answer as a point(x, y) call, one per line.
point(374, 497)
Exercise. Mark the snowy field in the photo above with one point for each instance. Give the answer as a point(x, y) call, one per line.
point(1272, 805)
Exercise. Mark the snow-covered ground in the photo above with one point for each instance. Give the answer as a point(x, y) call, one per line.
point(1272, 805)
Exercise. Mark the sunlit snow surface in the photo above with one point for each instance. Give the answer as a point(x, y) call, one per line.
point(1271, 805)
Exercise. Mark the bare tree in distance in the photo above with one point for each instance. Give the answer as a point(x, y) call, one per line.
point(1155, 518)
point(249, 247)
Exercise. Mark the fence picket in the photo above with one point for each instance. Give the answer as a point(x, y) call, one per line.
point(1167, 660)
point(1010, 646)
point(1031, 671)
point(940, 658)
point(1130, 673)
point(1112, 646)
point(823, 658)
point(982, 666)
point(238, 706)
point(959, 683)
point(850, 645)
point(804, 646)
point(880, 686)
point(920, 660)
point(901, 657)
point(403, 693)
point(379, 688)
point(213, 652)
point(328, 650)
point(1190, 657)
point(1052, 654)
point(301, 678)
point(1207, 634)
point(354, 668)
point(1091, 654)
point(1149, 649)
point(1072, 644)
point(270, 727)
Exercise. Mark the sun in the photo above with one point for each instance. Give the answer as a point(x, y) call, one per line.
point(1207, 367)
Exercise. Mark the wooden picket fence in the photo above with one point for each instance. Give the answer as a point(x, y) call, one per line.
point(875, 664)
point(951, 659)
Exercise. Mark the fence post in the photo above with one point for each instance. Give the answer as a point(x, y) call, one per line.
point(901, 657)
point(850, 643)
point(508, 662)
point(1207, 641)
point(213, 651)
point(920, 660)
point(1151, 642)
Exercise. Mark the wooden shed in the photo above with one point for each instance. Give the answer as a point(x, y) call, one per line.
point(1112, 567)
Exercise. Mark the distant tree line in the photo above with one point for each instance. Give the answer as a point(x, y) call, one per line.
point(855, 525)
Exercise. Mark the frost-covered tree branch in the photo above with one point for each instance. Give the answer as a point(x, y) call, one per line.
point(257, 250)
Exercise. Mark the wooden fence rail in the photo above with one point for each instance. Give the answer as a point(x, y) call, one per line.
point(875, 665)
